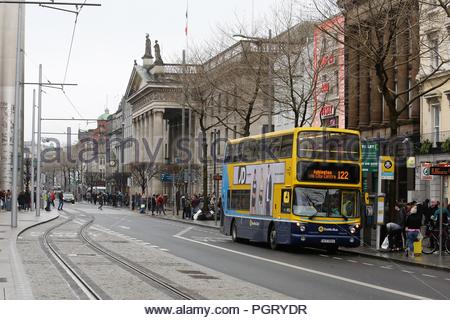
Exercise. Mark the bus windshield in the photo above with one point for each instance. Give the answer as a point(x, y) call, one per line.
point(337, 203)
point(326, 145)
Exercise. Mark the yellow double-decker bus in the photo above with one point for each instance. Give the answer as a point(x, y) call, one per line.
point(299, 187)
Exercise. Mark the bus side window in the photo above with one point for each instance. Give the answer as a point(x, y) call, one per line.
point(286, 195)
point(286, 146)
point(274, 148)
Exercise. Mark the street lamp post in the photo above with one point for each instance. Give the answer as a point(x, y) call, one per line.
point(17, 112)
point(33, 143)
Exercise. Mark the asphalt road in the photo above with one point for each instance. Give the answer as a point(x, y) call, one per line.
point(301, 274)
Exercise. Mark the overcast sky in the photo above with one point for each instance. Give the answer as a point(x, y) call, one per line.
point(107, 40)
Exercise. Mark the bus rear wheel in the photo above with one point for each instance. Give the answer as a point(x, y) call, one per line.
point(273, 237)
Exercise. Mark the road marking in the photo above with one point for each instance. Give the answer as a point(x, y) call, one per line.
point(407, 271)
point(324, 255)
point(155, 246)
point(165, 250)
point(447, 279)
point(352, 261)
point(124, 227)
point(337, 258)
point(428, 275)
point(183, 232)
point(319, 273)
point(386, 267)
point(368, 264)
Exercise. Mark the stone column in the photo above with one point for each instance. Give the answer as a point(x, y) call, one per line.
point(141, 136)
point(353, 66)
point(415, 63)
point(390, 63)
point(376, 99)
point(402, 69)
point(158, 140)
point(145, 137)
point(158, 134)
point(364, 96)
point(136, 137)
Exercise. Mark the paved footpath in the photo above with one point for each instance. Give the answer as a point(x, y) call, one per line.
point(14, 284)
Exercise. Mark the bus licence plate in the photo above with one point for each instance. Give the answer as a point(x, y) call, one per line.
point(328, 241)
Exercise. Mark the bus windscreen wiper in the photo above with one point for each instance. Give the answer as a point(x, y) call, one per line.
point(343, 216)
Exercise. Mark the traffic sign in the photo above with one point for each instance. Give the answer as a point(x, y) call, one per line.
point(425, 170)
point(387, 168)
point(440, 170)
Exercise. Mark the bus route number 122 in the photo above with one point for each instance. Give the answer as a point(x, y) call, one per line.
point(343, 175)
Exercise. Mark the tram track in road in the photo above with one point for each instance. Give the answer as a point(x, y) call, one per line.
point(87, 284)
point(79, 279)
point(124, 262)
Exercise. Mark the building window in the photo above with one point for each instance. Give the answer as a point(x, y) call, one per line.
point(218, 141)
point(436, 123)
point(336, 79)
point(434, 51)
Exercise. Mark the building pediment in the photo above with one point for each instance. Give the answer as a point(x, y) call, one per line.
point(151, 94)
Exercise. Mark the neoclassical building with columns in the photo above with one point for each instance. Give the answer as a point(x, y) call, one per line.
point(154, 98)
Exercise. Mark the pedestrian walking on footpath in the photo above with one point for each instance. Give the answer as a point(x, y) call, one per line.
point(100, 201)
point(52, 198)
point(160, 205)
point(153, 203)
point(47, 201)
point(61, 201)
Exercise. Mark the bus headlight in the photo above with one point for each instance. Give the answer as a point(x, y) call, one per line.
point(302, 227)
point(352, 230)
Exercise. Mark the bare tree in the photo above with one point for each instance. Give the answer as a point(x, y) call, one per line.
point(93, 179)
point(295, 71)
point(373, 31)
point(143, 172)
point(199, 95)
point(384, 39)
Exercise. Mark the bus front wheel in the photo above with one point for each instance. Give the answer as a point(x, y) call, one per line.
point(273, 237)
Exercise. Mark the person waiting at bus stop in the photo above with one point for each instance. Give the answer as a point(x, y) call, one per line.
point(395, 228)
point(413, 224)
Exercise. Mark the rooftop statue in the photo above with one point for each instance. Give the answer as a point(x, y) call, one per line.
point(148, 48)
point(158, 59)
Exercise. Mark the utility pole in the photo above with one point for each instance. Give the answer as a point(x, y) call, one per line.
point(33, 144)
point(189, 160)
point(216, 181)
point(17, 112)
point(183, 110)
point(38, 152)
point(271, 98)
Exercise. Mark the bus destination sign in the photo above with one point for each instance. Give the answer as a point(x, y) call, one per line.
point(328, 172)
point(440, 170)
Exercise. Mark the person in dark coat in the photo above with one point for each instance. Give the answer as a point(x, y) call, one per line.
point(413, 224)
